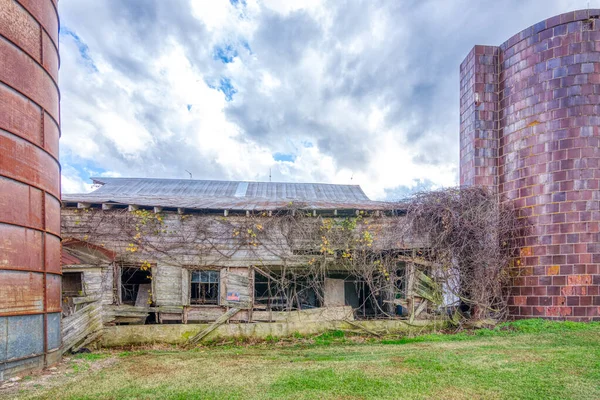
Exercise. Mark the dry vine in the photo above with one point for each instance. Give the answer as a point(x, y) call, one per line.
point(453, 243)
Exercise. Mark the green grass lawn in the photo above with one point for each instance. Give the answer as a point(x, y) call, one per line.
point(526, 360)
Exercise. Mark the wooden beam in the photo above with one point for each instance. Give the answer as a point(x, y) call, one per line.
point(83, 205)
point(106, 206)
point(133, 207)
point(314, 213)
point(157, 210)
point(180, 211)
point(225, 212)
point(220, 321)
point(335, 212)
point(247, 213)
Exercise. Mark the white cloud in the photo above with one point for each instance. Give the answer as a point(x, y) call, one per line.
point(373, 87)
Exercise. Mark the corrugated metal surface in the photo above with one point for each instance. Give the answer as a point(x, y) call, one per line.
point(29, 186)
point(273, 191)
point(224, 195)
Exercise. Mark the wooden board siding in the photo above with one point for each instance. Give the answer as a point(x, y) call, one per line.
point(97, 281)
point(334, 292)
point(174, 249)
point(236, 289)
point(112, 229)
point(167, 281)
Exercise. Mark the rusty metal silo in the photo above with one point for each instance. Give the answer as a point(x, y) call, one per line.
point(30, 274)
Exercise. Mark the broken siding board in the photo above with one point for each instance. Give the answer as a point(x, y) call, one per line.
point(185, 286)
point(84, 323)
point(237, 288)
point(167, 285)
point(334, 292)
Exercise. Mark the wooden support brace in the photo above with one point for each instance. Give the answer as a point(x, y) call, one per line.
point(83, 205)
point(157, 210)
point(220, 321)
point(106, 206)
point(133, 207)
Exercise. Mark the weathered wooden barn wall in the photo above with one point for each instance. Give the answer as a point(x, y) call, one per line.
point(173, 244)
point(84, 315)
point(205, 240)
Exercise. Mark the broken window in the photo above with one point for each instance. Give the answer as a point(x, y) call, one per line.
point(136, 286)
point(72, 284)
point(204, 287)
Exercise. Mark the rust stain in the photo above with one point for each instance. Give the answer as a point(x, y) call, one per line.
point(553, 270)
point(21, 292)
point(20, 248)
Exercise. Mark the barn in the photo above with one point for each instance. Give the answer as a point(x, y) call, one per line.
point(164, 251)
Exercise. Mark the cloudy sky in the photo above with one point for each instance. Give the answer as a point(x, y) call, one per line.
point(348, 92)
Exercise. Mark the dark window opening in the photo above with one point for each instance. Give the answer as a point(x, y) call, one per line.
point(136, 286)
point(297, 294)
point(204, 287)
point(72, 284)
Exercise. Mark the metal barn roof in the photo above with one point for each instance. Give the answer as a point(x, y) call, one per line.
point(225, 195)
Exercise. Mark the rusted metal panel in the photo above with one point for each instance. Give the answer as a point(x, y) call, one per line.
point(53, 336)
point(27, 163)
point(20, 248)
point(52, 215)
point(20, 115)
point(28, 77)
point(51, 135)
point(50, 61)
point(52, 244)
point(29, 186)
point(21, 292)
point(20, 204)
point(53, 293)
point(20, 28)
point(67, 258)
point(44, 11)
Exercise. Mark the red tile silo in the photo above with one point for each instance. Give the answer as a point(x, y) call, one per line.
point(530, 127)
point(30, 275)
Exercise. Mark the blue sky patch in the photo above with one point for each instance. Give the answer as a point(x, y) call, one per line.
point(225, 53)
point(227, 88)
point(236, 3)
point(284, 157)
point(307, 144)
point(84, 50)
point(189, 107)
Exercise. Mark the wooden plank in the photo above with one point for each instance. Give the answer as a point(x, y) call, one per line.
point(222, 319)
point(334, 292)
point(143, 295)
